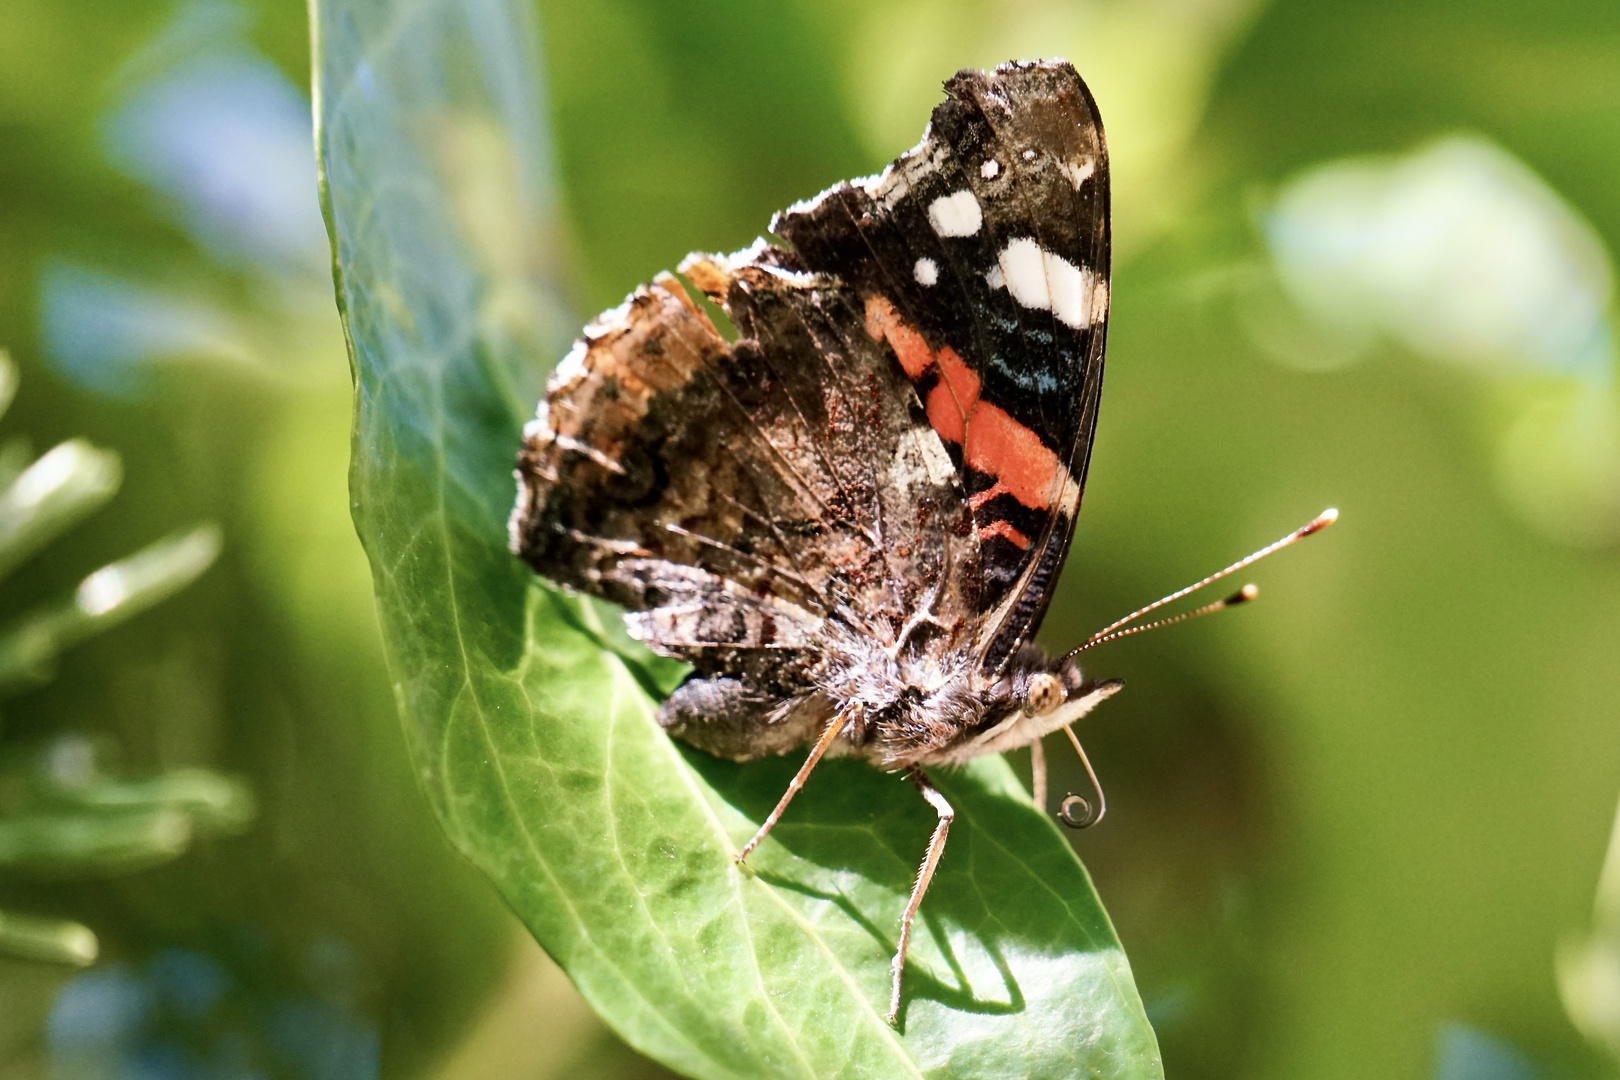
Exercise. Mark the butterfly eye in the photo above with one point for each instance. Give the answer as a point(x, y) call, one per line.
point(1046, 693)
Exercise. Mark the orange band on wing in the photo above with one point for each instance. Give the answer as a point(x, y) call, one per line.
point(991, 440)
point(976, 501)
point(1013, 454)
point(953, 398)
point(1006, 532)
point(882, 321)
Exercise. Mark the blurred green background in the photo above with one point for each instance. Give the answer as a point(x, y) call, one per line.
point(1363, 259)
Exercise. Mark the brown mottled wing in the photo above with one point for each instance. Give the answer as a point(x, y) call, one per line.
point(732, 496)
point(983, 257)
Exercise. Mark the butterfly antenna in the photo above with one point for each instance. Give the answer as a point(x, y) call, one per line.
point(1248, 592)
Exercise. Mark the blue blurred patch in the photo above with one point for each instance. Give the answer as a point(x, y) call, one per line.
point(103, 1010)
point(227, 139)
point(103, 331)
point(183, 1016)
point(317, 1041)
point(1466, 1053)
point(224, 140)
point(188, 981)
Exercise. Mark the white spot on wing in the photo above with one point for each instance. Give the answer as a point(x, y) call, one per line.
point(1029, 155)
point(1045, 281)
point(1078, 172)
point(926, 271)
point(956, 214)
point(1071, 291)
point(994, 279)
point(990, 169)
point(1025, 275)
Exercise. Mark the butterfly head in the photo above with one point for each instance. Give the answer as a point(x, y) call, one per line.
point(1036, 695)
point(1043, 694)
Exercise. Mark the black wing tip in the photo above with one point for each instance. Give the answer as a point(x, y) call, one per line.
point(1028, 81)
point(1057, 70)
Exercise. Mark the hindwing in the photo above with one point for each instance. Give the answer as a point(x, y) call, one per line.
point(734, 495)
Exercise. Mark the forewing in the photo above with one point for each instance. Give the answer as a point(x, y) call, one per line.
point(981, 257)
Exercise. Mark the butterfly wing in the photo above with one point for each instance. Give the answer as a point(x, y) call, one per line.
point(735, 495)
point(981, 257)
point(902, 426)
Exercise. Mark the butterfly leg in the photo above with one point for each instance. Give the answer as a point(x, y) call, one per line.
point(925, 874)
point(834, 726)
point(1037, 774)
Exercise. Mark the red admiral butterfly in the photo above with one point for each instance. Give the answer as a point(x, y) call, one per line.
point(850, 519)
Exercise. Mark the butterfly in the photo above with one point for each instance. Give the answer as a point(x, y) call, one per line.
point(849, 519)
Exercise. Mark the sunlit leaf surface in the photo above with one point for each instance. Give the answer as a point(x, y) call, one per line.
point(532, 730)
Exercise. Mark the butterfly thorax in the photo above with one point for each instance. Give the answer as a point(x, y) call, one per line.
point(901, 700)
point(938, 705)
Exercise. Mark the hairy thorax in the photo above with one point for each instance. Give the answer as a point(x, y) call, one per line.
point(934, 705)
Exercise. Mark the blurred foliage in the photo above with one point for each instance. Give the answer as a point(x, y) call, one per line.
point(61, 814)
point(166, 301)
point(1349, 826)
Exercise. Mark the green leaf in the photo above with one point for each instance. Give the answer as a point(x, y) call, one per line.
point(530, 722)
